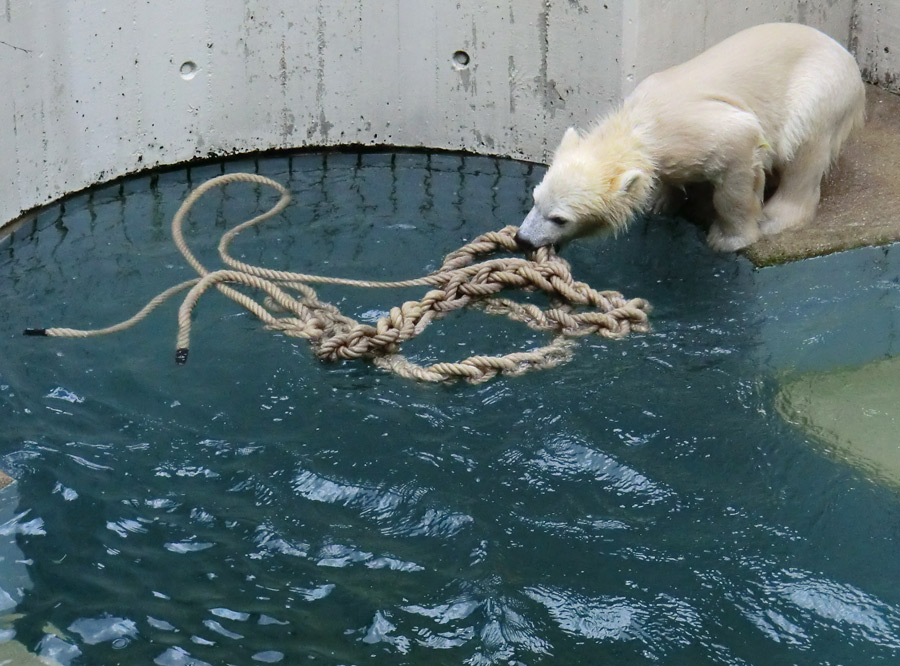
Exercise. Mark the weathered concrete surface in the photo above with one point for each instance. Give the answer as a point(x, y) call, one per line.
point(875, 41)
point(660, 33)
point(860, 197)
point(96, 90)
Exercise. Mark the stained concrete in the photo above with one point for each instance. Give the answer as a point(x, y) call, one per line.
point(874, 39)
point(860, 197)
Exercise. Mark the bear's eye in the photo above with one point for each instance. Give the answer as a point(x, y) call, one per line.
point(558, 221)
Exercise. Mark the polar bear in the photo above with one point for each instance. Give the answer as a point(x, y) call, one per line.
point(776, 99)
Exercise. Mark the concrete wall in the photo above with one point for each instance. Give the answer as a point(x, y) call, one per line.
point(92, 90)
point(876, 41)
point(660, 33)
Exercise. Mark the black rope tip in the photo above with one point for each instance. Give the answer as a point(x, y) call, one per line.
point(181, 355)
point(35, 331)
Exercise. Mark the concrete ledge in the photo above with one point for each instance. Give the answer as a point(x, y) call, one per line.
point(860, 198)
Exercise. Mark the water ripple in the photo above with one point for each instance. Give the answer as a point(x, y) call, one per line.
point(383, 504)
point(796, 603)
point(84, 462)
point(567, 459)
point(103, 629)
point(268, 539)
point(313, 593)
point(444, 613)
point(374, 501)
point(581, 530)
point(59, 393)
point(338, 555)
point(125, 526)
point(68, 494)
point(161, 625)
point(495, 626)
point(433, 523)
point(54, 650)
point(217, 627)
point(183, 547)
point(380, 632)
point(176, 656)
point(33, 527)
point(393, 564)
point(661, 624)
point(229, 614)
point(168, 470)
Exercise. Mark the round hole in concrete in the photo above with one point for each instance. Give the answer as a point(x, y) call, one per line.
point(461, 60)
point(188, 70)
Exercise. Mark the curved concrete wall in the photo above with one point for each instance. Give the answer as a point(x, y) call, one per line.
point(92, 90)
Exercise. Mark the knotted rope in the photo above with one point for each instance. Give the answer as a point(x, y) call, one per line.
point(293, 307)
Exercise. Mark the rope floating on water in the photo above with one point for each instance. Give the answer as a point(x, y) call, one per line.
point(292, 306)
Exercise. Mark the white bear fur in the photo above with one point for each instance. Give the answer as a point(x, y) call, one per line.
point(779, 98)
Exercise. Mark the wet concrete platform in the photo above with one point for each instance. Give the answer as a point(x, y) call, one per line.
point(860, 197)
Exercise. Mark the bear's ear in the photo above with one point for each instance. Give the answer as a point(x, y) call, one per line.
point(570, 139)
point(629, 180)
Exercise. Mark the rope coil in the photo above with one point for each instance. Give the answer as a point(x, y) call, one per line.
point(292, 306)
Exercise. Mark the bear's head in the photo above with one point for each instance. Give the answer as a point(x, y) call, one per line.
point(594, 185)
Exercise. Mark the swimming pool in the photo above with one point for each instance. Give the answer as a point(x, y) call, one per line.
point(643, 504)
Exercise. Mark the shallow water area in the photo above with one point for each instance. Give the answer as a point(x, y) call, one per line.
point(643, 504)
point(855, 413)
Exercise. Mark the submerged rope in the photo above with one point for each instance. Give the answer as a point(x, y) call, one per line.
point(293, 307)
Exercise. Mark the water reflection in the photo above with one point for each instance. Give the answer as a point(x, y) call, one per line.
point(570, 460)
point(500, 632)
point(794, 607)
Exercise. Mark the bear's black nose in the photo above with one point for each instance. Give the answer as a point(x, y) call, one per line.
point(524, 245)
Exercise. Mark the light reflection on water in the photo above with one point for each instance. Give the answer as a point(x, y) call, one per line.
point(643, 504)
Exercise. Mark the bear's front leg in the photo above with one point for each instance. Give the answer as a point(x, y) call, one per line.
point(794, 202)
point(738, 202)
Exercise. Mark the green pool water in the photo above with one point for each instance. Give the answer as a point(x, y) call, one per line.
point(644, 504)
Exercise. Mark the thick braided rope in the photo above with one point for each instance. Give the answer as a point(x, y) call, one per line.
point(293, 307)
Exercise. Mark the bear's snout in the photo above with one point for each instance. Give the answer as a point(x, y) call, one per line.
point(535, 231)
point(524, 244)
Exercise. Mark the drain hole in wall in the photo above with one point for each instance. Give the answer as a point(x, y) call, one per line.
point(188, 70)
point(461, 60)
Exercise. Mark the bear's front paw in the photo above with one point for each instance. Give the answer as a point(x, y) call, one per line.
point(720, 241)
point(781, 213)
